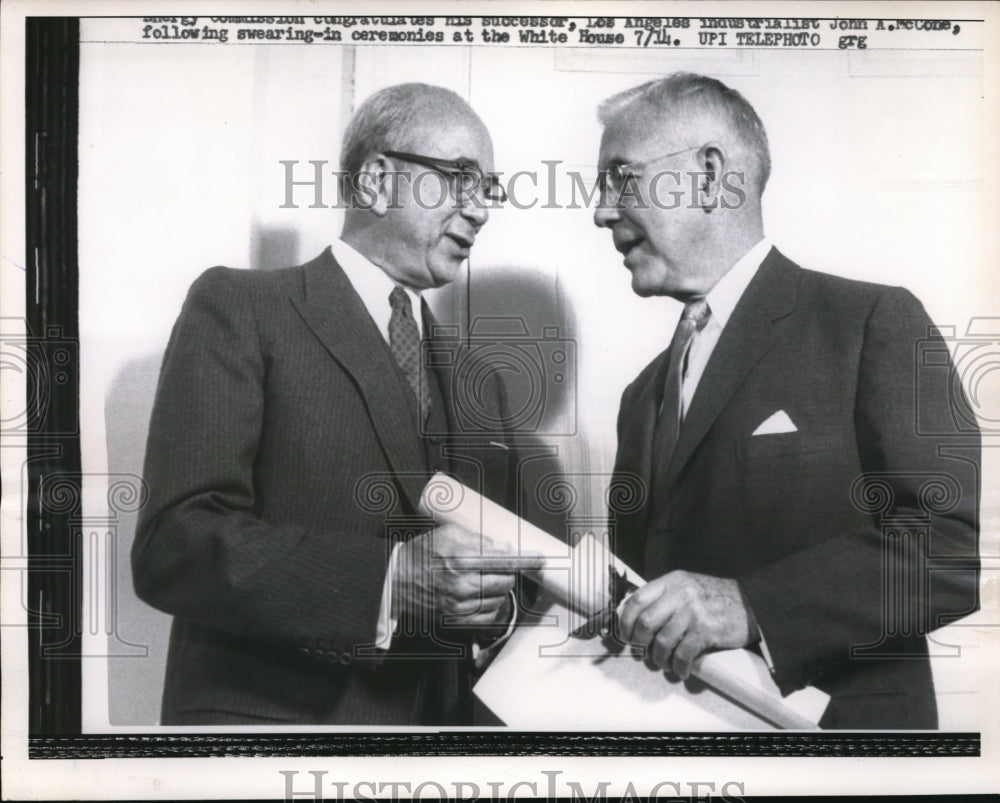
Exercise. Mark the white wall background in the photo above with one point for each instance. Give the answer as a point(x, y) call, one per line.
point(877, 175)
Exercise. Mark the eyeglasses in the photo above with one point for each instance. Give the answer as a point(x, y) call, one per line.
point(467, 172)
point(614, 179)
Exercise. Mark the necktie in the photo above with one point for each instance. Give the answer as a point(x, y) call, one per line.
point(404, 343)
point(668, 424)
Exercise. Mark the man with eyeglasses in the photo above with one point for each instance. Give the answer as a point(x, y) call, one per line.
point(794, 504)
point(295, 426)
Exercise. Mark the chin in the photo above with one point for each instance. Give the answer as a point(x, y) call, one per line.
point(644, 286)
point(446, 274)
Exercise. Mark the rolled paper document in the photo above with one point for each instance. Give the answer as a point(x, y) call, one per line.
point(577, 577)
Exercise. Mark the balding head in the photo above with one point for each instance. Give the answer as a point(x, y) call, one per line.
point(698, 109)
point(395, 117)
point(409, 208)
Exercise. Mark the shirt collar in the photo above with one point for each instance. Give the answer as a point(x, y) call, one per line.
point(374, 285)
point(723, 298)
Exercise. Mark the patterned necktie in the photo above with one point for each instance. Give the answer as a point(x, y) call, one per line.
point(668, 424)
point(404, 343)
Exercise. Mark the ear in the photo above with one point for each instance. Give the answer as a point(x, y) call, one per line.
point(373, 185)
point(713, 159)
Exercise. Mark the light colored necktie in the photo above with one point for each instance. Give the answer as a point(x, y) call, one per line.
point(668, 423)
point(404, 343)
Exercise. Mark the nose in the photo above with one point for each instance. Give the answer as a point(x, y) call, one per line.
point(474, 210)
point(606, 214)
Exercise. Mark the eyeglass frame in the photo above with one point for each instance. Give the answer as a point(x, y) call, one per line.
point(608, 183)
point(454, 169)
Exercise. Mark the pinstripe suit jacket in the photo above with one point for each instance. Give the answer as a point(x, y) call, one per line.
point(277, 397)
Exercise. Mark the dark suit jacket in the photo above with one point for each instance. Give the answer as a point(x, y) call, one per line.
point(278, 399)
point(851, 537)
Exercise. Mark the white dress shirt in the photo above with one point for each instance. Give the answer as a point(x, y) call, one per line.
point(374, 285)
point(722, 300)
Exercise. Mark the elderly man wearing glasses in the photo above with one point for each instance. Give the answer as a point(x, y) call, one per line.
point(295, 426)
point(797, 503)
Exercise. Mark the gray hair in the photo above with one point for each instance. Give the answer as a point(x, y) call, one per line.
point(685, 92)
point(387, 119)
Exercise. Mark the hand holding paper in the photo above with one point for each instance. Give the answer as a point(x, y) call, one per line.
point(577, 578)
point(546, 559)
point(682, 615)
point(453, 571)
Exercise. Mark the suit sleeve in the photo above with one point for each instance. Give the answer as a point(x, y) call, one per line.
point(909, 563)
point(202, 551)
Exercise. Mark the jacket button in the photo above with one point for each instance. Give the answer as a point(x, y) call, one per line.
point(346, 658)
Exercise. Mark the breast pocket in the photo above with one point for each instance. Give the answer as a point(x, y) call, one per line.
point(786, 486)
point(784, 444)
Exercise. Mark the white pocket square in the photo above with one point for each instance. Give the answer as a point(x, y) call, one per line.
point(776, 424)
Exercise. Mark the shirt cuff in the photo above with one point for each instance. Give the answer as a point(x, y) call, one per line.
point(765, 652)
point(487, 644)
point(756, 634)
point(386, 623)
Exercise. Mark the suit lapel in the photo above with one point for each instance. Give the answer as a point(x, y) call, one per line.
point(337, 316)
point(748, 336)
point(636, 448)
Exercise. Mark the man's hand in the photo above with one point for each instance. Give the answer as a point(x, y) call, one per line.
point(681, 615)
point(454, 572)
